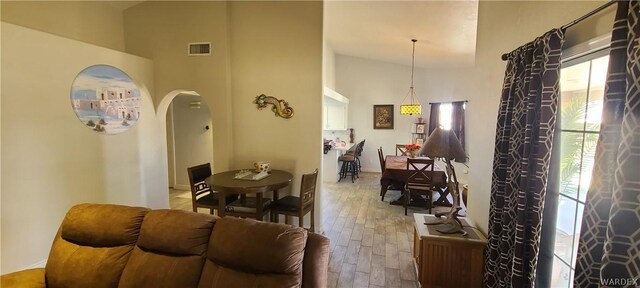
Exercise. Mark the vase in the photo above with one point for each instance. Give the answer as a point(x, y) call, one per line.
point(412, 154)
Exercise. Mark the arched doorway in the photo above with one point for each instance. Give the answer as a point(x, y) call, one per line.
point(187, 125)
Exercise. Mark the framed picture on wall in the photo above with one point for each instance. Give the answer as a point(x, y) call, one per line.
point(105, 99)
point(420, 128)
point(382, 116)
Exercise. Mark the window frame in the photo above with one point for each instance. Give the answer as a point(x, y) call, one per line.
point(576, 202)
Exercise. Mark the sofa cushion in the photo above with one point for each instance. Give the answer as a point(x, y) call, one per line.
point(245, 253)
point(170, 251)
point(255, 246)
point(316, 261)
point(93, 245)
point(217, 276)
point(176, 232)
point(102, 225)
point(32, 278)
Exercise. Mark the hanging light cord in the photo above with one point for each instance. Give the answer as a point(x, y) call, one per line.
point(412, 94)
point(413, 57)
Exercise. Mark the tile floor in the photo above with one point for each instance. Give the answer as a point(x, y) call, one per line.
point(371, 241)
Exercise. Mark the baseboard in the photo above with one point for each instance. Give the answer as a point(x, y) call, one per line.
point(39, 264)
point(181, 187)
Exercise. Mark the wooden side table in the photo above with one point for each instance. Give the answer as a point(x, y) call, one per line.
point(447, 260)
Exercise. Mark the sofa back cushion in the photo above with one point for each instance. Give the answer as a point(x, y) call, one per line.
point(170, 251)
point(316, 261)
point(93, 245)
point(244, 252)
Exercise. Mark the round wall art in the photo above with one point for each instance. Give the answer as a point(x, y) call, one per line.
point(105, 99)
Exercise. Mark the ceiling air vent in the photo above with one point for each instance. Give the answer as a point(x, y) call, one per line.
point(199, 48)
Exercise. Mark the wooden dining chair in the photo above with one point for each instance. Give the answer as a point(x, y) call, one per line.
point(420, 182)
point(298, 206)
point(381, 158)
point(247, 207)
point(394, 184)
point(201, 194)
point(401, 150)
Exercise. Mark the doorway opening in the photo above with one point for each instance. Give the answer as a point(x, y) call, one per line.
point(189, 142)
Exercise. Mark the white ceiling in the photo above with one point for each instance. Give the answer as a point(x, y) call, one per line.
point(382, 30)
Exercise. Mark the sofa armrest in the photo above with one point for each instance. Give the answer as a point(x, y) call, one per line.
point(316, 261)
point(32, 278)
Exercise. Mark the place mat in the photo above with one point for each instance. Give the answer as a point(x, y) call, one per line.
point(249, 177)
point(471, 233)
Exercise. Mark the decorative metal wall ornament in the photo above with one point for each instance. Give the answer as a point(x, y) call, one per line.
point(280, 107)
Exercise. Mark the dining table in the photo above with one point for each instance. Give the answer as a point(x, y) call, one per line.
point(396, 171)
point(226, 183)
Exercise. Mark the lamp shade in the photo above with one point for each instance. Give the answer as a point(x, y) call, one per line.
point(444, 144)
point(410, 109)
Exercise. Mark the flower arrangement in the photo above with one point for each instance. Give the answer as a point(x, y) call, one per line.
point(413, 149)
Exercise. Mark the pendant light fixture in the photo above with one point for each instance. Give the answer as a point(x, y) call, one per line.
point(413, 107)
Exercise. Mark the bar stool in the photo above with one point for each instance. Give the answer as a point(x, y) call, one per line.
point(356, 151)
point(349, 166)
point(359, 153)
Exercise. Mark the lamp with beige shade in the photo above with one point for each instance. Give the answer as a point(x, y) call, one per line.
point(445, 144)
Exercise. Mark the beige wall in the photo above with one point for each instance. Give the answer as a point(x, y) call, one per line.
point(161, 31)
point(276, 49)
point(51, 160)
point(171, 166)
point(95, 22)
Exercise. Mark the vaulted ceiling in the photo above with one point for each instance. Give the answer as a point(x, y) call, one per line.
point(382, 30)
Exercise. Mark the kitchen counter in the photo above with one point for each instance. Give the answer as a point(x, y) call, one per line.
point(330, 163)
point(344, 148)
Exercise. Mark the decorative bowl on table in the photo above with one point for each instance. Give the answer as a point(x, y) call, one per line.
point(261, 166)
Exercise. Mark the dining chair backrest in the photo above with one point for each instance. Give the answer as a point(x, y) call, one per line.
point(381, 158)
point(423, 171)
point(401, 150)
point(360, 148)
point(197, 174)
point(308, 188)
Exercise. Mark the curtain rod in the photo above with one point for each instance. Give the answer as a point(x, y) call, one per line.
point(585, 16)
point(448, 102)
point(574, 22)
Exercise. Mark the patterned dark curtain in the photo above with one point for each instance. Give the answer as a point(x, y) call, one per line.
point(608, 251)
point(524, 137)
point(434, 117)
point(457, 120)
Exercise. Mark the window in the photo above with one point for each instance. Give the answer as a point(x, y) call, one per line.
point(582, 83)
point(449, 116)
point(445, 116)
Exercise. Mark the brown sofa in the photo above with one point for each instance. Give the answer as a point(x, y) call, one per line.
point(101, 245)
